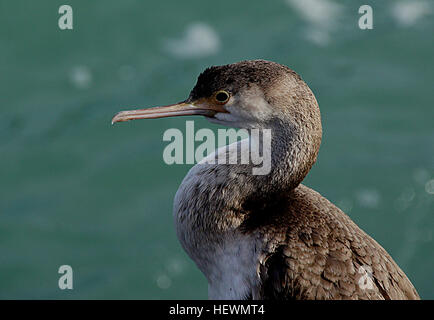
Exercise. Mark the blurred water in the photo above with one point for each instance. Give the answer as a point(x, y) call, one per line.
point(75, 190)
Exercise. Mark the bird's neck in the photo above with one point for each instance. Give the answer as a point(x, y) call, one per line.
point(214, 195)
point(293, 151)
point(214, 200)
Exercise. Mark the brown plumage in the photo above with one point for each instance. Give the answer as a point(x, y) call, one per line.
point(268, 236)
point(319, 253)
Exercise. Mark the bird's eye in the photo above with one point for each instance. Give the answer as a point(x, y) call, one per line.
point(222, 96)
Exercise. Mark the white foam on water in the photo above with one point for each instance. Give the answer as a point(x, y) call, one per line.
point(318, 36)
point(199, 40)
point(322, 16)
point(429, 187)
point(405, 199)
point(407, 13)
point(318, 12)
point(175, 266)
point(345, 205)
point(81, 77)
point(163, 281)
point(368, 198)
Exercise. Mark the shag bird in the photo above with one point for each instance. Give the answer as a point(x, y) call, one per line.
point(267, 236)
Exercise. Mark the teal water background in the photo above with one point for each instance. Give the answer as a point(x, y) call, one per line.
point(75, 190)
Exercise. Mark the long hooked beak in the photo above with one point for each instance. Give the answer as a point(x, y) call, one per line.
point(202, 108)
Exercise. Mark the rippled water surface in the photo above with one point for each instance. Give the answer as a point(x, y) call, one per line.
point(75, 190)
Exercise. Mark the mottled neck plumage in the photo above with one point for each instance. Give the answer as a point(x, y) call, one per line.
point(294, 150)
